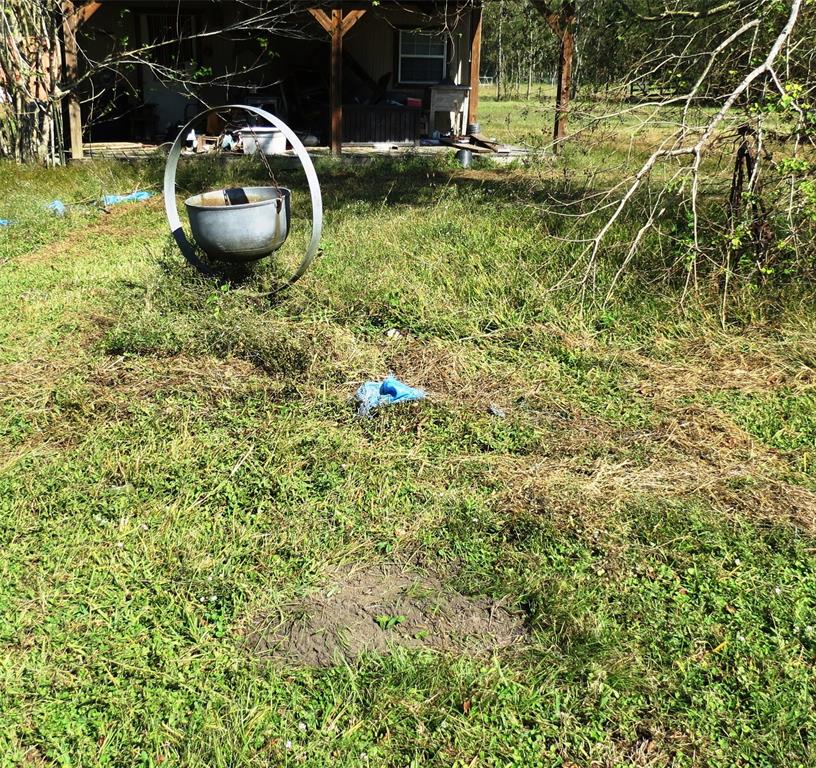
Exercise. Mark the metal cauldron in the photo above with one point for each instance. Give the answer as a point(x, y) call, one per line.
point(240, 231)
point(245, 223)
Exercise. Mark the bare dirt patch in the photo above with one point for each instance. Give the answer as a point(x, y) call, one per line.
point(374, 608)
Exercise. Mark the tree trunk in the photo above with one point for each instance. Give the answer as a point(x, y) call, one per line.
point(29, 66)
point(565, 55)
point(500, 68)
point(562, 23)
point(530, 63)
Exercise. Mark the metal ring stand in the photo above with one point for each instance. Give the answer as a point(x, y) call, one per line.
point(171, 208)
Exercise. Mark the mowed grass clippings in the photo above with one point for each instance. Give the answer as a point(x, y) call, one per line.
point(180, 456)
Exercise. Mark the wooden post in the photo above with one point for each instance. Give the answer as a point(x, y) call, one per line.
point(337, 25)
point(475, 62)
point(70, 24)
point(336, 90)
point(72, 18)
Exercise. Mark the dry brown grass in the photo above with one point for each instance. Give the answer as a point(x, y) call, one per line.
point(452, 374)
point(696, 453)
point(62, 400)
point(708, 367)
point(117, 225)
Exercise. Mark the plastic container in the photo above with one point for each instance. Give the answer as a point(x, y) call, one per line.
point(264, 138)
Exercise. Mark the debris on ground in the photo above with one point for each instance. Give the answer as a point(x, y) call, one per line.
point(5, 222)
point(497, 411)
point(481, 145)
point(373, 394)
point(372, 609)
point(133, 197)
point(58, 207)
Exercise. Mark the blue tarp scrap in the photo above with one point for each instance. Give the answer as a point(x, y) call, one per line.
point(373, 394)
point(133, 197)
point(60, 209)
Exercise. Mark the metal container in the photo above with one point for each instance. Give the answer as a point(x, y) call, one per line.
point(473, 128)
point(241, 224)
point(243, 232)
point(465, 158)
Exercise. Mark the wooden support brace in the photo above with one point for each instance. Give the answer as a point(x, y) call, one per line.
point(325, 21)
point(322, 19)
point(337, 25)
point(550, 16)
point(86, 11)
point(350, 19)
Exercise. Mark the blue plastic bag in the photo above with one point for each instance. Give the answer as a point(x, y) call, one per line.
point(133, 197)
point(57, 206)
point(5, 223)
point(373, 394)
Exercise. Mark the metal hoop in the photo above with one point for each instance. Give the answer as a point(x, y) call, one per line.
point(171, 208)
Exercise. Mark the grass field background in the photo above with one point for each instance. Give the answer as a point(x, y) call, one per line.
point(177, 455)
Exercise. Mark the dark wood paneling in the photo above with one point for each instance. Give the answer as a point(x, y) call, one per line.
point(380, 123)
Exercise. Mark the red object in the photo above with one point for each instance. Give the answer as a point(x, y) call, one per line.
point(413, 102)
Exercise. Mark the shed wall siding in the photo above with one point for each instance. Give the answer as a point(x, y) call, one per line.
point(373, 42)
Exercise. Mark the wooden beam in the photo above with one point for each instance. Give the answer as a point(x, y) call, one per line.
point(337, 25)
point(336, 90)
point(350, 19)
point(70, 23)
point(86, 11)
point(475, 63)
point(322, 19)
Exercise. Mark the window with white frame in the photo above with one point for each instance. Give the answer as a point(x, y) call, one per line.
point(422, 56)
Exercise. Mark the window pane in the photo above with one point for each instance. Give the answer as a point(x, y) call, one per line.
point(422, 70)
point(436, 45)
point(423, 44)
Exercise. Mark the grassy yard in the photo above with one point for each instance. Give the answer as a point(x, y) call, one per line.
point(629, 491)
point(518, 120)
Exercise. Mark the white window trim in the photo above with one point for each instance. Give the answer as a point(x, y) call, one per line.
point(444, 56)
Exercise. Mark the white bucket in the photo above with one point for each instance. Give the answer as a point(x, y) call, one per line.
point(268, 139)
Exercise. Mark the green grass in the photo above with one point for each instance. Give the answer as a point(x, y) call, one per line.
point(517, 119)
point(176, 456)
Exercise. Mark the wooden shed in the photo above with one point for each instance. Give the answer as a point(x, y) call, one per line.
point(341, 72)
